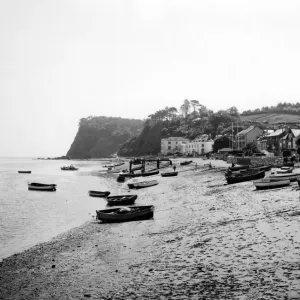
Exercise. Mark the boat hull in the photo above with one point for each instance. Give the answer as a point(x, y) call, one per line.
point(291, 177)
point(121, 200)
point(246, 177)
point(42, 187)
point(145, 184)
point(184, 163)
point(267, 184)
point(24, 172)
point(169, 174)
point(99, 194)
point(140, 213)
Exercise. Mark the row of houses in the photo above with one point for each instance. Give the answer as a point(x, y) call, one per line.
point(271, 140)
point(201, 145)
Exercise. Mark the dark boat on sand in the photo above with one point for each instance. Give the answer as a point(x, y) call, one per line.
point(169, 174)
point(187, 162)
point(99, 194)
point(122, 177)
point(41, 186)
point(121, 200)
point(250, 167)
point(24, 172)
point(142, 184)
point(241, 177)
point(131, 213)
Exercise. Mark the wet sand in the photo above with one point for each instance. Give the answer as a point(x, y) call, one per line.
point(207, 240)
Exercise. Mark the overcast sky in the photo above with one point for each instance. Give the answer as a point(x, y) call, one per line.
point(62, 60)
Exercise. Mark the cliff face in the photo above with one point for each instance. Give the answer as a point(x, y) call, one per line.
point(102, 136)
point(147, 143)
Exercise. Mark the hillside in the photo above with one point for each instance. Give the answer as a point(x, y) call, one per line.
point(271, 118)
point(102, 136)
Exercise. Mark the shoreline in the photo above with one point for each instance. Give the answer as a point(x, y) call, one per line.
point(206, 240)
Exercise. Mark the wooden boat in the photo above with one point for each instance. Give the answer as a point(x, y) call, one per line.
point(266, 183)
point(122, 177)
point(285, 170)
point(131, 213)
point(249, 167)
point(99, 194)
point(187, 162)
point(241, 177)
point(69, 168)
point(119, 164)
point(24, 172)
point(292, 177)
point(169, 174)
point(143, 184)
point(121, 200)
point(41, 186)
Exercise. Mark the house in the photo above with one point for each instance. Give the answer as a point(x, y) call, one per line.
point(172, 145)
point(201, 145)
point(223, 153)
point(274, 139)
point(247, 136)
point(289, 140)
point(261, 143)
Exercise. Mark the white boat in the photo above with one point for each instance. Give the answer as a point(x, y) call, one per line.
point(144, 184)
point(291, 177)
point(266, 183)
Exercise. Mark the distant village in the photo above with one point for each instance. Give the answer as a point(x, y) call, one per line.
point(267, 143)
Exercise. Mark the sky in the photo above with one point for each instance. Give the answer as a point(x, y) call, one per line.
point(62, 60)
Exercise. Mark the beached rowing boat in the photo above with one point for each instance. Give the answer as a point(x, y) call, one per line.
point(41, 186)
point(142, 184)
point(187, 162)
point(266, 183)
point(131, 213)
point(241, 177)
point(292, 177)
point(169, 174)
point(24, 172)
point(122, 176)
point(99, 193)
point(121, 200)
point(285, 170)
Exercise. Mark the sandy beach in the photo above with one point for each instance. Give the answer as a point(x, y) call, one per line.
point(207, 240)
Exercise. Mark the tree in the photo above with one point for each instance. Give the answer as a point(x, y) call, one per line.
point(220, 143)
point(194, 103)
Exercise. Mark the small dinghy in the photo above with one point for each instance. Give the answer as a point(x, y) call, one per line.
point(69, 168)
point(241, 177)
point(125, 214)
point(292, 177)
point(142, 184)
point(24, 172)
point(284, 170)
point(99, 194)
point(266, 183)
point(169, 174)
point(187, 162)
point(121, 200)
point(41, 186)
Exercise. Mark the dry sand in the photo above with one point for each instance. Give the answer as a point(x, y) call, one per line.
point(207, 240)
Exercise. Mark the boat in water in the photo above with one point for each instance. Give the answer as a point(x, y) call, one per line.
point(69, 168)
point(99, 193)
point(121, 200)
point(245, 176)
point(266, 183)
point(41, 186)
point(131, 213)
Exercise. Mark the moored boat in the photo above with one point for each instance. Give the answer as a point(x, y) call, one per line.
point(266, 183)
point(143, 184)
point(121, 199)
point(241, 177)
point(285, 170)
point(41, 186)
point(99, 193)
point(292, 177)
point(131, 213)
point(69, 168)
point(169, 174)
point(24, 172)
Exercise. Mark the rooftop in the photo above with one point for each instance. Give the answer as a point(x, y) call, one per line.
point(178, 138)
point(245, 131)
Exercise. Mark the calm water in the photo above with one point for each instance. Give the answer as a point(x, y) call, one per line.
point(29, 217)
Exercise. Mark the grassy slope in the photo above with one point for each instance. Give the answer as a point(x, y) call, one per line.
point(272, 118)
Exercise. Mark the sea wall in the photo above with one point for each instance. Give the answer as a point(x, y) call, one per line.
point(256, 160)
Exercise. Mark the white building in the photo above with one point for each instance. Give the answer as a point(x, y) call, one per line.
point(173, 145)
point(199, 146)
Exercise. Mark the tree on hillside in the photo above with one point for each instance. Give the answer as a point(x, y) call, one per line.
point(220, 143)
point(195, 103)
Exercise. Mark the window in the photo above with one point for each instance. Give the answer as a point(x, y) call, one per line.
point(169, 147)
point(169, 143)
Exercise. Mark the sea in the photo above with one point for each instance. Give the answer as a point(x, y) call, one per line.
point(31, 217)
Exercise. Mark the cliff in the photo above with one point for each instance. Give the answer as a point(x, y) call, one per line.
point(102, 136)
